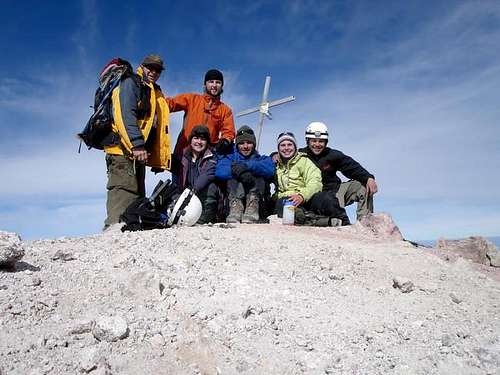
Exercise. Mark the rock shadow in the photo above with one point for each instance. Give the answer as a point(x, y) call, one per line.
point(19, 267)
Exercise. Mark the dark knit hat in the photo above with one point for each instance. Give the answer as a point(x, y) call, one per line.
point(214, 74)
point(153, 60)
point(200, 131)
point(245, 133)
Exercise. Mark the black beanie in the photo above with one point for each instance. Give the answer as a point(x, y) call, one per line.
point(200, 131)
point(245, 133)
point(214, 74)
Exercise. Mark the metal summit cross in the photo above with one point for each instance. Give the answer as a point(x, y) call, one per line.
point(264, 106)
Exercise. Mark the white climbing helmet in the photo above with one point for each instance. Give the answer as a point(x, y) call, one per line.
point(186, 211)
point(316, 130)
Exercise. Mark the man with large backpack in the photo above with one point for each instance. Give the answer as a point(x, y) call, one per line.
point(205, 109)
point(140, 118)
point(361, 186)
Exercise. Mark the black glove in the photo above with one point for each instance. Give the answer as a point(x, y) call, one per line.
point(237, 168)
point(223, 146)
point(247, 179)
point(156, 170)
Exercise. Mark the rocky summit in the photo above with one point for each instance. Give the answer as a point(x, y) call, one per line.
point(246, 299)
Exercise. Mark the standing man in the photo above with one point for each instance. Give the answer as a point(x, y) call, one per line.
point(205, 109)
point(140, 122)
point(362, 185)
point(247, 173)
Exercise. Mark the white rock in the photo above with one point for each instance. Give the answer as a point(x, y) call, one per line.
point(65, 256)
point(447, 340)
point(455, 298)
point(405, 285)
point(89, 359)
point(102, 369)
point(494, 257)
point(112, 328)
point(381, 225)
point(81, 326)
point(33, 281)
point(157, 341)
point(11, 248)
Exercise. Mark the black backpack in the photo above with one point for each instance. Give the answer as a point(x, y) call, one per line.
point(151, 213)
point(97, 132)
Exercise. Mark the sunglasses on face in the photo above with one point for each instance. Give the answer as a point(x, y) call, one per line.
point(154, 68)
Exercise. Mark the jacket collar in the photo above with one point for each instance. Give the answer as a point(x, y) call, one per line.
point(292, 161)
point(209, 98)
point(140, 73)
point(312, 155)
point(187, 153)
point(254, 154)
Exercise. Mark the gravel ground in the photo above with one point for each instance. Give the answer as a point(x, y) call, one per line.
point(249, 299)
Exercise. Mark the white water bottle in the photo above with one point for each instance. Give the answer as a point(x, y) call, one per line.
point(288, 213)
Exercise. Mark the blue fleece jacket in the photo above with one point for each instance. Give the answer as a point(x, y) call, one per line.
point(258, 165)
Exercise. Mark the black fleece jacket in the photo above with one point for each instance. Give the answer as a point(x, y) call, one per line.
point(330, 161)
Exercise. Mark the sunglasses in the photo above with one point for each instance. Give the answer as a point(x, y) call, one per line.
point(245, 131)
point(290, 134)
point(154, 68)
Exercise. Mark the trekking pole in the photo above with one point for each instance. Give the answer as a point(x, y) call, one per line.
point(158, 189)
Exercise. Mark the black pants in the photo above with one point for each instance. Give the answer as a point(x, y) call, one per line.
point(323, 203)
point(209, 197)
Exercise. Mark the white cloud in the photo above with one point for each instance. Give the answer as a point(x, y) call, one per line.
point(38, 219)
point(421, 114)
point(426, 129)
point(87, 32)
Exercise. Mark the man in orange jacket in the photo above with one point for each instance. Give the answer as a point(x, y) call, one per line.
point(205, 109)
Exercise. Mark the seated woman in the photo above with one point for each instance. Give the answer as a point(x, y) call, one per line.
point(197, 171)
point(299, 180)
point(247, 174)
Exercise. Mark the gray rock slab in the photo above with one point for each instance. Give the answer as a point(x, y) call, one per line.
point(494, 257)
point(472, 248)
point(11, 249)
point(381, 225)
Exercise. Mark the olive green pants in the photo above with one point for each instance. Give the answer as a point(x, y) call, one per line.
point(125, 185)
point(353, 191)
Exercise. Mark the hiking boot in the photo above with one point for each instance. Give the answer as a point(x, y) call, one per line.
point(344, 219)
point(300, 216)
point(251, 214)
point(321, 222)
point(308, 218)
point(209, 213)
point(235, 210)
point(334, 222)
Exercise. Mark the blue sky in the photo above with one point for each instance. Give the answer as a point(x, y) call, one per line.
point(410, 89)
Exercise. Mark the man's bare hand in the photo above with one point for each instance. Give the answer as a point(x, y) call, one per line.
point(140, 154)
point(296, 199)
point(371, 186)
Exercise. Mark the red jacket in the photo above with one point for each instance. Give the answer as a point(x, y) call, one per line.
point(202, 109)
